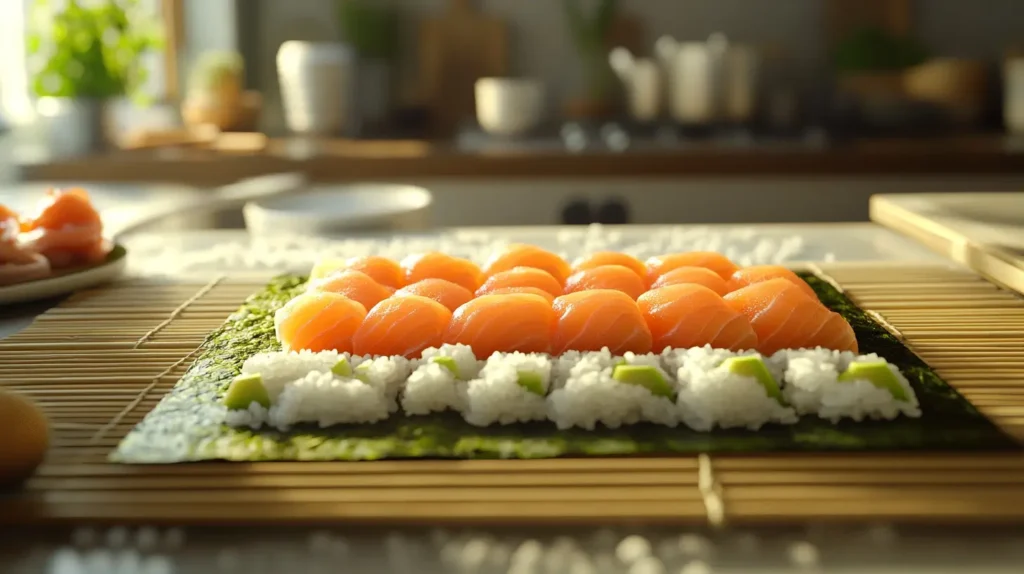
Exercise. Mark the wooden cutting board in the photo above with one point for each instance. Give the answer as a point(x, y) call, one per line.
point(983, 231)
point(456, 49)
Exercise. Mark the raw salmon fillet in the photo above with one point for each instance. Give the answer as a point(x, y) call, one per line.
point(592, 320)
point(383, 270)
point(759, 273)
point(615, 277)
point(521, 277)
point(690, 315)
point(402, 326)
point(449, 294)
point(355, 285)
point(662, 264)
point(436, 265)
point(784, 317)
point(601, 258)
point(503, 323)
point(529, 290)
point(67, 230)
point(523, 255)
point(695, 275)
point(318, 321)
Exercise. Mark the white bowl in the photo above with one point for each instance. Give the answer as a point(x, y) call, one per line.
point(339, 209)
point(509, 106)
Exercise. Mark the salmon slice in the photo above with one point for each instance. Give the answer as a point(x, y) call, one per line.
point(592, 320)
point(784, 317)
point(523, 255)
point(67, 230)
point(318, 321)
point(449, 294)
point(436, 265)
point(381, 269)
point(602, 258)
point(662, 264)
point(27, 267)
point(521, 277)
point(691, 315)
point(530, 290)
point(402, 326)
point(692, 275)
point(503, 323)
point(355, 285)
point(759, 273)
point(615, 277)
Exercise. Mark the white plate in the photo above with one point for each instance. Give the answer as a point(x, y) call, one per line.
point(67, 282)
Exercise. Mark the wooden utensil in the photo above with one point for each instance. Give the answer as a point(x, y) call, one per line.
point(456, 50)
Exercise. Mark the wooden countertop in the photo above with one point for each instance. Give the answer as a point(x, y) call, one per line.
point(375, 160)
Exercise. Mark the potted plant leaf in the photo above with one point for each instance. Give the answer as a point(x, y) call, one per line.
point(589, 31)
point(371, 30)
point(83, 56)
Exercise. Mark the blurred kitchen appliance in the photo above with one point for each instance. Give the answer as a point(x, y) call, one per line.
point(710, 82)
point(642, 80)
point(509, 106)
point(316, 86)
point(456, 50)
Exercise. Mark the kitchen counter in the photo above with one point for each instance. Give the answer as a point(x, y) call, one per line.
point(339, 160)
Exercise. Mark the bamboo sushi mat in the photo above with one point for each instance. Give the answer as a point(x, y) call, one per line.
point(101, 360)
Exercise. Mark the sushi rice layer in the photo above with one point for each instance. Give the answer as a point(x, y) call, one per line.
point(573, 390)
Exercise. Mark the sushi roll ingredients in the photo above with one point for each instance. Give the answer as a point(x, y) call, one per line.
point(67, 230)
point(784, 317)
point(753, 366)
point(436, 265)
point(327, 399)
point(592, 320)
point(592, 396)
point(694, 275)
point(690, 315)
point(841, 385)
point(510, 388)
point(602, 258)
point(662, 264)
point(318, 321)
point(522, 277)
point(759, 273)
point(402, 326)
point(276, 369)
point(503, 323)
point(530, 290)
point(245, 390)
point(355, 285)
point(439, 382)
point(381, 269)
point(615, 277)
point(17, 263)
point(388, 374)
point(449, 294)
point(645, 376)
point(523, 255)
point(712, 393)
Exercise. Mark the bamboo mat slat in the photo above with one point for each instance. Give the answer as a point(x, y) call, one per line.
point(100, 361)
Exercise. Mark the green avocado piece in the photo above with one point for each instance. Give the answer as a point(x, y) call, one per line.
point(644, 376)
point(448, 363)
point(360, 373)
point(753, 366)
point(531, 381)
point(342, 368)
point(878, 374)
point(245, 390)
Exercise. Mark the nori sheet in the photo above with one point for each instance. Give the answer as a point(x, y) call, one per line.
point(186, 425)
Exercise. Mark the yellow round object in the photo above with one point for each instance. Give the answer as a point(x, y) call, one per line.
point(24, 438)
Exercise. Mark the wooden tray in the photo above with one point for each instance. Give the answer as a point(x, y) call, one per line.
point(984, 231)
point(99, 362)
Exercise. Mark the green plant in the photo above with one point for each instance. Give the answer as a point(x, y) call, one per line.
point(589, 33)
point(876, 50)
point(90, 48)
point(371, 29)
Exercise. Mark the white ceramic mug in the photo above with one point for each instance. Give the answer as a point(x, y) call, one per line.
point(509, 106)
point(316, 80)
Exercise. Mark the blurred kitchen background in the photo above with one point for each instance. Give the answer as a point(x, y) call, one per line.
point(524, 112)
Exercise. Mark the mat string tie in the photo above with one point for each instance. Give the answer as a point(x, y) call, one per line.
point(179, 310)
point(710, 491)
